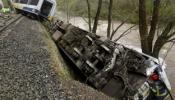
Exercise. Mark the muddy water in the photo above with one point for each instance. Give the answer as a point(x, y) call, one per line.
point(132, 40)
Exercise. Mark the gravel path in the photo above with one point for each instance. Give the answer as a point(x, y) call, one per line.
point(27, 71)
point(24, 64)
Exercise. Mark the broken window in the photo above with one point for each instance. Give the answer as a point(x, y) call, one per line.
point(46, 8)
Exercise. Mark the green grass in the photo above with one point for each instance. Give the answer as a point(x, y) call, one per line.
point(122, 9)
point(57, 62)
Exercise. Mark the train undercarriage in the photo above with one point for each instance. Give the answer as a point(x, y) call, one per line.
point(109, 67)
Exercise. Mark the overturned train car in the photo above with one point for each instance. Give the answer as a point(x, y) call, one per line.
point(42, 8)
point(109, 67)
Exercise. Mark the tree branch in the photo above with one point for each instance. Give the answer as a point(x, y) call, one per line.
point(162, 39)
point(124, 33)
point(169, 49)
point(97, 16)
point(171, 35)
point(160, 42)
point(84, 19)
point(171, 40)
point(154, 22)
point(167, 29)
point(89, 14)
point(117, 28)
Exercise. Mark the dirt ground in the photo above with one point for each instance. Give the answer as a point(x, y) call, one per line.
point(131, 40)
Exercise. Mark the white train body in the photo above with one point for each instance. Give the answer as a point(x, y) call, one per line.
point(44, 8)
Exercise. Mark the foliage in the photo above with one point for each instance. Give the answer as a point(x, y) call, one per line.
point(151, 15)
point(122, 9)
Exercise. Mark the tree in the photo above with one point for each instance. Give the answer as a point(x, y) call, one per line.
point(96, 19)
point(110, 34)
point(67, 10)
point(109, 18)
point(143, 26)
point(89, 15)
point(147, 36)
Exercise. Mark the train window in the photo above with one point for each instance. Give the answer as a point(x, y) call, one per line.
point(24, 1)
point(33, 2)
point(46, 8)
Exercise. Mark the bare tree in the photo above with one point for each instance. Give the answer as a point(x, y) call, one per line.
point(165, 37)
point(114, 31)
point(109, 18)
point(89, 15)
point(147, 39)
point(96, 19)
point(110, 34)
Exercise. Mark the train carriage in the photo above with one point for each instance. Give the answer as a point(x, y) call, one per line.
point(43, 8)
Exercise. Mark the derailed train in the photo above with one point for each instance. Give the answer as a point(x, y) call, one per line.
point(112, 68)
point(42, 8)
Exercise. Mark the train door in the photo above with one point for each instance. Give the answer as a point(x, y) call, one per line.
point(46, 8)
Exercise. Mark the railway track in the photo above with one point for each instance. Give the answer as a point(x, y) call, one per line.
point(6, 20)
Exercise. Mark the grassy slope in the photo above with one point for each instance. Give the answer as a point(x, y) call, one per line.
point(57, 62)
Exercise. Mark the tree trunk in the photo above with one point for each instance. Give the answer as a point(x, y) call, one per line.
point(143, 26)
point(97, 16)
point(147, 40)
point(109, 18)
point(154, 22)
point(89, 15)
